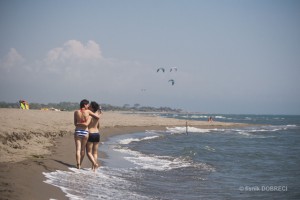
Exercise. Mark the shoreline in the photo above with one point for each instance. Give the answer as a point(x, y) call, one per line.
point(23, 177)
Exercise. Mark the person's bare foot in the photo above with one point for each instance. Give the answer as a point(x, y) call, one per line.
point(95, 166)
point(78, 166)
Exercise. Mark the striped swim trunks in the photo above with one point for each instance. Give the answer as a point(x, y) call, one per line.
point(81, 133)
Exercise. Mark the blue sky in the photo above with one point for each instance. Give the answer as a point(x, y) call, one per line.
point(232, 56)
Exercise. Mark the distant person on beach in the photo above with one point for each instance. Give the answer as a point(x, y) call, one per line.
point(94, 135)
point(210, 119)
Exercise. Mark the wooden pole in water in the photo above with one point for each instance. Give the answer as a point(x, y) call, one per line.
point(186, 124)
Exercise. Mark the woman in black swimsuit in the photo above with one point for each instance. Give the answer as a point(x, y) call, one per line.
point(94, 135)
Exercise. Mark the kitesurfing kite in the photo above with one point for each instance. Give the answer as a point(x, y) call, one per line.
point(172, 81)
point(161, 68)
point(173, 69)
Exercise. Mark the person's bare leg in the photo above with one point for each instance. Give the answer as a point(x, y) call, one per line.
point(78, 150)
point(89, 146)
point(95, 153)
point(83, 145)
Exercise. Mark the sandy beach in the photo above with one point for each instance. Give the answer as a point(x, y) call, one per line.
point(35, 141)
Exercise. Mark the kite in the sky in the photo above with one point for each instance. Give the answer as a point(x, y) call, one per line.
point(161, 68)
point(172, 81)
point(173, 69)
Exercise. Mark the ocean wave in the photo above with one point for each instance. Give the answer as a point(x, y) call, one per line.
point(160, 163)
point(261, 131)
point(291, 125)
point(199, 116)
point(208, 148)
point(274, 128)
point(220, 117)
point(206, 117)
point(179, 130)
point(129, 140)
point(247, 131)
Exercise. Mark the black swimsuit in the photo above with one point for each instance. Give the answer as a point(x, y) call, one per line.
point(94, 137)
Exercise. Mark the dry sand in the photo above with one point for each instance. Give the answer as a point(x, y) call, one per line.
point(35, 141)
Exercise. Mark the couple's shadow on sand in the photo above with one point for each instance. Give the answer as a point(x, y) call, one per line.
point(64, 163)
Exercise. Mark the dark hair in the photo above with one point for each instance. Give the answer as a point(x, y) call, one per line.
point(95, 106)
point(83, 103)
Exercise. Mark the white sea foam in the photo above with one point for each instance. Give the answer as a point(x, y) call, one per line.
point(220, 117)
point(243, 132)
point(183, 129)
point(199, 117)
point(159, 163)
point(129, 140)
point(258, 132)
point(210, 148)
point(105, 183)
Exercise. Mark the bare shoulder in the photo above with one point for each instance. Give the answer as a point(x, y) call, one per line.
point(87, 111)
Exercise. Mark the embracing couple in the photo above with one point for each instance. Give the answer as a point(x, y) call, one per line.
point(87, 136)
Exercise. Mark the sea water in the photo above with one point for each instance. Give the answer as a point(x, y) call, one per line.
point(260, 161)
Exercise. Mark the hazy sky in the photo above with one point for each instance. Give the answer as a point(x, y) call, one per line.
point(233, 56)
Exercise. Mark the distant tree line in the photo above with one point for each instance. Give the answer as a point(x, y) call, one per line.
point(70, 106)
